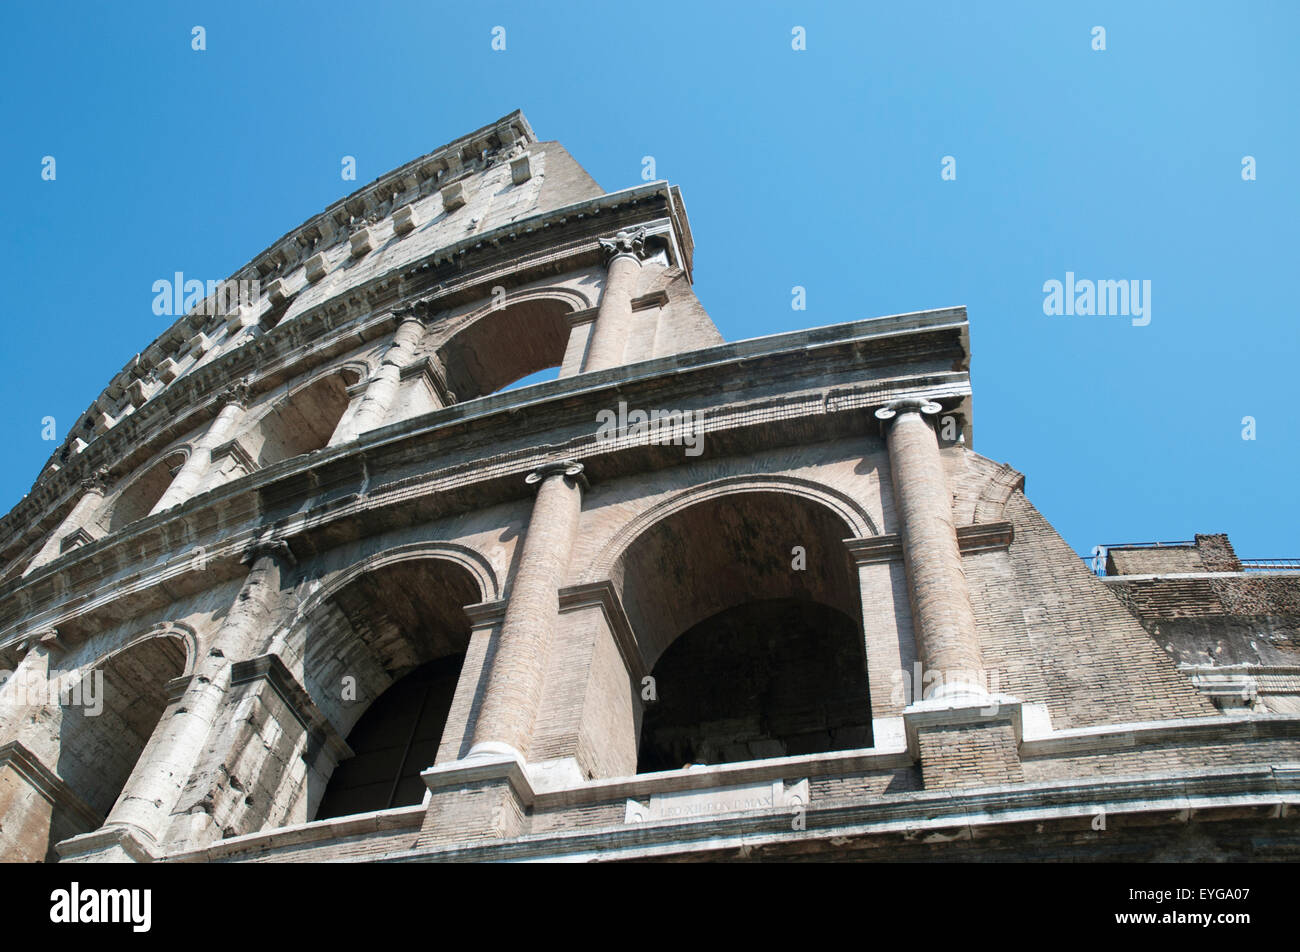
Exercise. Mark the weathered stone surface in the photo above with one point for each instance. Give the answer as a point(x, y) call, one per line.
point(274, 538)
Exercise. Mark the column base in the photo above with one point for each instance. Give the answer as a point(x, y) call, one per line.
point(966, 740)
point(109, 844)
point(487, 795)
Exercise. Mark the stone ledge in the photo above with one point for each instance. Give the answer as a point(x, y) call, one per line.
point(960, 711)
point(112, 844)
point(492, 762)
point(334, 829)
point(974, 537)
point(47, 783)
point(1084, 740)
point(1261, 790)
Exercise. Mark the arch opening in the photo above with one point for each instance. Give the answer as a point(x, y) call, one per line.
point(772, 678)
point(108, 714)
point(395, 739)
point(400, 633)
point(302, 422)
point(139, 496)
point(747, 611)
point(506, 346)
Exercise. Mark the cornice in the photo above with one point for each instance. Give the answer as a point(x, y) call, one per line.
point(791, 386)
point(185, 403)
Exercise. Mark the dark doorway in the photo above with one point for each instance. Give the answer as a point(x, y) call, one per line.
point(394, 740)
point(769, 678)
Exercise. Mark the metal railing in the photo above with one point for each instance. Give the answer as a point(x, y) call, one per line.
point(1097, 563)
point(1270, 565)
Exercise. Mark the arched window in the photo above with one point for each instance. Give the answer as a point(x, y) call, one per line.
point(302, 422)
point(400, 633)
point(504, 346)
point(747, 610)
point(107, 716)
point(139, 497)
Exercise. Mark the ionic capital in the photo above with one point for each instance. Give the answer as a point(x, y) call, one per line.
point(567, 468)
point(908, 405)
point(276, 548)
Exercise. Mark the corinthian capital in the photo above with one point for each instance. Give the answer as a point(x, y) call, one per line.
point(237, 393)
point(624, 243)
point(97, 482)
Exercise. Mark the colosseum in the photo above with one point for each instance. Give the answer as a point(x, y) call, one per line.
point(315, 577)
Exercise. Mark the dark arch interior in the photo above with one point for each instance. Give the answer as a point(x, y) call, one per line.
point(746, 606)
point(770, 678)
point(504, 346)
point(395, 739)
point(142, 494)
point(103, 732)
point(304, 422)
point(400, 632)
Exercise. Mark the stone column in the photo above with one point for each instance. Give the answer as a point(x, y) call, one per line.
point(960, 735)
point(614, 317)
point(382, 388)
point(161, 774)
point(514, 688)
point(27, 688)
point(942, 618)
point(93, 490)
point(190, 476)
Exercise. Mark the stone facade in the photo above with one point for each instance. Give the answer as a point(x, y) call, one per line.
point(307, 583)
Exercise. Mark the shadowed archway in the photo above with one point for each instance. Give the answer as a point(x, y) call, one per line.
point(746, 609)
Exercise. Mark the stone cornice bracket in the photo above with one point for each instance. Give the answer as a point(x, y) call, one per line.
point(569, 468)
point(277, 548)
point(625, 244)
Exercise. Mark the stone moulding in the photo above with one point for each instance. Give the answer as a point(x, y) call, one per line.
point(1266, 791)
point(976, 537)
point(717, 801)
point(787, 353)
point(603, 595)
point(45, 782)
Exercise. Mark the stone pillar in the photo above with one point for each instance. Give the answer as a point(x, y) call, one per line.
point(27, 687)
point(942, 618)
point(960, 734)
point(190, 476)
point(382, 388)
point(37, 809)
point(92, 495)
point(614, 316)
point(514, 688)
point(155, 785)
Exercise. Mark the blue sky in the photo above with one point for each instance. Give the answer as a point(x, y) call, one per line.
point(818, 168)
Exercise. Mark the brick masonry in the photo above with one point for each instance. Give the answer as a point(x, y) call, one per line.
point(373, 450)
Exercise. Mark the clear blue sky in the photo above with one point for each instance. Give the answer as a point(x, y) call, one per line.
point(818, 168)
